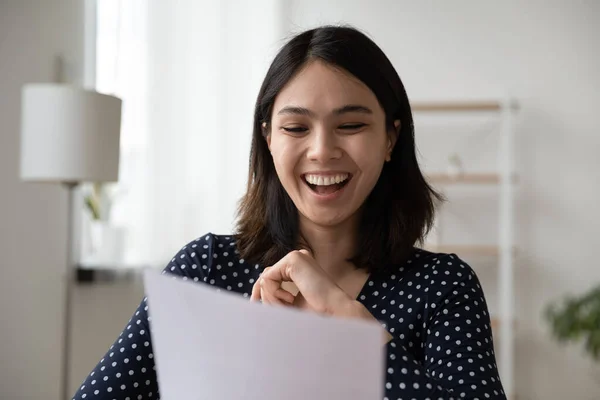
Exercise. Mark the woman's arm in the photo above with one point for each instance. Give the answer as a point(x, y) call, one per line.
point(459, 356)
point(127, 369)
point(459, 359)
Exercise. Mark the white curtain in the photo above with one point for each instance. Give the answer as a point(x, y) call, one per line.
point(188, 72)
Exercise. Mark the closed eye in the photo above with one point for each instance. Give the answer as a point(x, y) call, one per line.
point(294, 129)
point(352, 126)
point(301, 129)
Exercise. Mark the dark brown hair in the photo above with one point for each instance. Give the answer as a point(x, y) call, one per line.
point(399, 211)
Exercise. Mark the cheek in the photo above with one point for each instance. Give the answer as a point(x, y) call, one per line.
point(284, 158)
point(369, 156)
point(371, 170)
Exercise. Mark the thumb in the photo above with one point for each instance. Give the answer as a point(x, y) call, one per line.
point(306, 251)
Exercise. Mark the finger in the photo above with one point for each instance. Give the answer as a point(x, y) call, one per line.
point(297, 267)
point(284, 295)
point(319, 291)
point(290, 287)
point(300, 301)
point(269, 298)
point(269, 285)
point(255, 292)
point(257, 288)
point(306, 252)
point(273, 289)
point(279, 273)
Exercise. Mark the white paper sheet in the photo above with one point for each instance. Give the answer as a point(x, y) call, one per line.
point(218, 345)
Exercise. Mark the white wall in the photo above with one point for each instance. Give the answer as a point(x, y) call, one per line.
point(33, 217)
point(206, 62)
point(33, 223)
point(546, 55)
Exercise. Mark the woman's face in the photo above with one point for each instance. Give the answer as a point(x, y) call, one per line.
point(329, 142)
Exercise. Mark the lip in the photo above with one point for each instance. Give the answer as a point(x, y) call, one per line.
point(326, 173)
point(331, 196)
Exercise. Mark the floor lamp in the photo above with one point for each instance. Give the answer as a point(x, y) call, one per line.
point(69, 135)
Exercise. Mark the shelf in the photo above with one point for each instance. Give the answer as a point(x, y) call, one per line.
point(468, 250)
point(495, 323)
point(107, 273)
point(459, 106)
point(466, 179)
point(500, 181)
point(475, 178)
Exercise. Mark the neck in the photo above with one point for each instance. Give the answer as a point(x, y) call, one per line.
point(331, 246)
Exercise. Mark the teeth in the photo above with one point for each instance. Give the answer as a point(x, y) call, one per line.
point(320, 180)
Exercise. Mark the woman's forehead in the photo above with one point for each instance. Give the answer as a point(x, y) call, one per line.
point(323, 88)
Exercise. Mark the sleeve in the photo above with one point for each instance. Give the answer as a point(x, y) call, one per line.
point(127, 369)
point(459, 360)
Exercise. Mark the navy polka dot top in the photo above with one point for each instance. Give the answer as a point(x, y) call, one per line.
point(433, 306)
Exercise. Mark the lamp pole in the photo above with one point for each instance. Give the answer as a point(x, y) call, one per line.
point(71, 188)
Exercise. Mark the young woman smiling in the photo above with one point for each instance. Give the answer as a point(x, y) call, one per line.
point(334, 210)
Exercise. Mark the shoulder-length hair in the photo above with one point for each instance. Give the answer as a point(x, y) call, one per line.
point(398, 212)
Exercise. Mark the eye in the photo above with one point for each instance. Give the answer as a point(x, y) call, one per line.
point(294, 129)
point(352, 127)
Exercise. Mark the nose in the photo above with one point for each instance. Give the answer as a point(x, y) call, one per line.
point(323, 146)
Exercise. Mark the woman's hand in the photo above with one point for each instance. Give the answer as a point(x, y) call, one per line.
point(317, 291)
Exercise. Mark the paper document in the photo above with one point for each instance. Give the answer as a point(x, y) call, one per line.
point(219, 345)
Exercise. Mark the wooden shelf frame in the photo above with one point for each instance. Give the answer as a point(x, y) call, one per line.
point(476, 250)
point(504, 250)
point(463, 106)
point(478, 178)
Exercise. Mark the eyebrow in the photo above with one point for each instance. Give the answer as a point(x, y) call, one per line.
point(349, 108)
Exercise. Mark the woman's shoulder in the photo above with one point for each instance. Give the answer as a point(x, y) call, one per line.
point(432, 268)
point(214, 260)
point(428, 277)
point(436, 260)
point(209, 245)
point(203, 253)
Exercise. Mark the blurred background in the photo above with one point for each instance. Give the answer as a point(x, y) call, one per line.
point(188, 72)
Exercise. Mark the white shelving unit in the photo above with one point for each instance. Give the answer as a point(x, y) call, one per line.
point(504, 251)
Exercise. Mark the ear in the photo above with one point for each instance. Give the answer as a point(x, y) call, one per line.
point(266, 134)
point(392, 138)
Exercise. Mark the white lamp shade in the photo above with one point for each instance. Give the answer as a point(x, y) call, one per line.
point(69, 134)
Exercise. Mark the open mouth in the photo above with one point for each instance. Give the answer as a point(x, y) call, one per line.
point(325, 185)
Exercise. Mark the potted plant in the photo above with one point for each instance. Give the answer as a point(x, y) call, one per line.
point(97, 201)
point(105, 239)
point(577, 319)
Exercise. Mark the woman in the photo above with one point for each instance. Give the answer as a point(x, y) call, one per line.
point(334, 206)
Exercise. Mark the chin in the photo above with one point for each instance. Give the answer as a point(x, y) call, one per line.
point(326, 219)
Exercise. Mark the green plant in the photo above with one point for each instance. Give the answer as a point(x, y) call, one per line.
point(98, 198)
point(92, 202)
point(576, 319)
